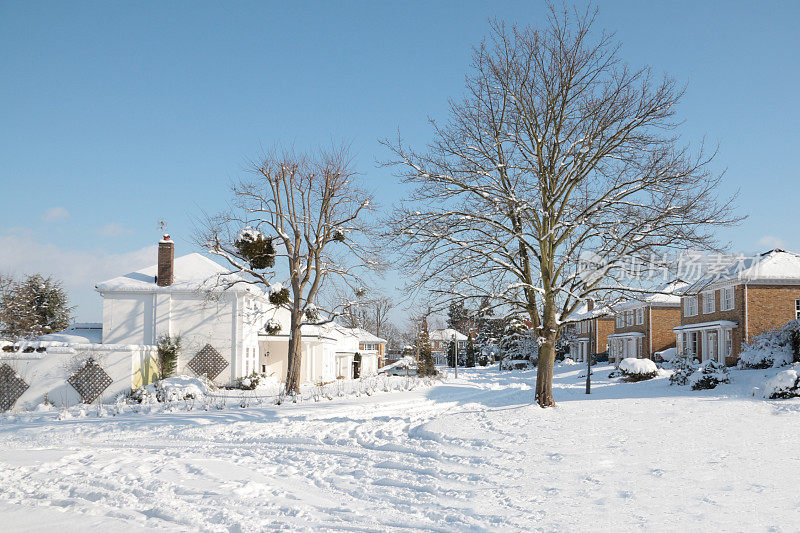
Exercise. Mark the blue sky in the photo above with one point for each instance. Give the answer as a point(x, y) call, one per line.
point(115, 115)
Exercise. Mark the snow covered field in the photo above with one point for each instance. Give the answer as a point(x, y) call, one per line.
point(466, 455)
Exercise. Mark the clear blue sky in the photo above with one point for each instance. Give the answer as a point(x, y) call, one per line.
point(114, 115)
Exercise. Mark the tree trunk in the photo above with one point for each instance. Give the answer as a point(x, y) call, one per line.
point(295, 357)
point(547, 357)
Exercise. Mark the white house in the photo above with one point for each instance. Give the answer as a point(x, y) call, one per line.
point(440, 341)
point(213, 310)
point(219, 318)
point(194, 298)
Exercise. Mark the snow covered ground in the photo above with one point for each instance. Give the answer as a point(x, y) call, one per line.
point(465, 455)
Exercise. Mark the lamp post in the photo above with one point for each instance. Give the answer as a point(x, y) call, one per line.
point(455, 355)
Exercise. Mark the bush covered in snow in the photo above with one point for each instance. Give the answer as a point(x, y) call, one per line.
point(666, 355)
point(633, 369)
point(252, 381)
point(173, 389)
point(773, 348)
point(784, 384)
point(709, 375)
point(515, 364)
point(684, 366)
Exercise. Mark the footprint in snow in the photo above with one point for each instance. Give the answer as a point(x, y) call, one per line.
point(556, 457)
point(657, 472)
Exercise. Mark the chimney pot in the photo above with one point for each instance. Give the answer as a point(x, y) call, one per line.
point(166, 261)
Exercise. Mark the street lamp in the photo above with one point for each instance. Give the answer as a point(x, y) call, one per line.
point(455, 355)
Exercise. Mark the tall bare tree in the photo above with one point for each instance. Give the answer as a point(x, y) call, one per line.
point(557, 150)
point(309, 213)
point(371, 314)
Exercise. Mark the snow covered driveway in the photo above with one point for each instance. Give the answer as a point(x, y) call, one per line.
point(472, 454)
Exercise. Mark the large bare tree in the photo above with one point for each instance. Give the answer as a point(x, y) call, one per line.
point(371, 314)
point(558, 150)
point(308, 212)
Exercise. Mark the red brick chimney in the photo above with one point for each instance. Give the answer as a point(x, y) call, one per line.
point(589, 302)
point(166, 260)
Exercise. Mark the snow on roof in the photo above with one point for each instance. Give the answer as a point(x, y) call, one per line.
point(665, 295)
point(192, 272)
point(582, 312)
point(79, 333)
point(446, 335)
point(365, 336)
point(774, 266)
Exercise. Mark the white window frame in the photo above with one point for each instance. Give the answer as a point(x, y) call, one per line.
point(640, 316)
point(690, 306)
point(727, 301)
point(797, 309)
point(709, 302)
point(629, 318)
point(728, 340)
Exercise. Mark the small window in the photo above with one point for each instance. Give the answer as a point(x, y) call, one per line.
point(629, 318)
point(709, 302)
point(726, 299)
point(797, 309)
point(690, 306)
point(640, 316)
point(729, 341)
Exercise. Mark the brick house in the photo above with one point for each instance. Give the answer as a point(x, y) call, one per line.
point(589, 330)
point(645, 326)
point(753, 295)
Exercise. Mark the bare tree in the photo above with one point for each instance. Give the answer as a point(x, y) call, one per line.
point(371, 314)
point(308, 212)
point(558, 149)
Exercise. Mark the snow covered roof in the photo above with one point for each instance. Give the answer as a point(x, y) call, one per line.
point(667, 295)
point(365, 336)
point(79, 333)
point(774, 266)
point(192, 272)
point(446, 335)
point(704, 325)
point(583, 313)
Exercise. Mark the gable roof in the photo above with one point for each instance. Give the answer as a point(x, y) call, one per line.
point(582, 312)
point(775, 266)
point(446, 335)
point(193, 272)
point(365, 336)
point(667, 295)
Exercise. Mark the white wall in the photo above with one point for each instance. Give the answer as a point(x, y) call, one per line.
point(48, 374)
point(230, 324)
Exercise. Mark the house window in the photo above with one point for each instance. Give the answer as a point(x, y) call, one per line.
point(690, 306)
point(690, 343)
point(709, 302)
point(629, 317)
point(797, 309)
point(621, 321)
point(729, 341)
point(726, 299)
point(640, 316)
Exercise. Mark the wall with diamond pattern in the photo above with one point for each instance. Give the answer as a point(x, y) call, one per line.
point(26, 378)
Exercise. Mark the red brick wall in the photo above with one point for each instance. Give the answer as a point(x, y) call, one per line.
point(604, 328)
point(770, 306)
point(663, 320)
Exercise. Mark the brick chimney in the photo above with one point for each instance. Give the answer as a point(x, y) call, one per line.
point(166, 260)
point(589, 302)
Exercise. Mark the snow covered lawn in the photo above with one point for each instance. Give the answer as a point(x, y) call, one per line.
point(472, 454)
